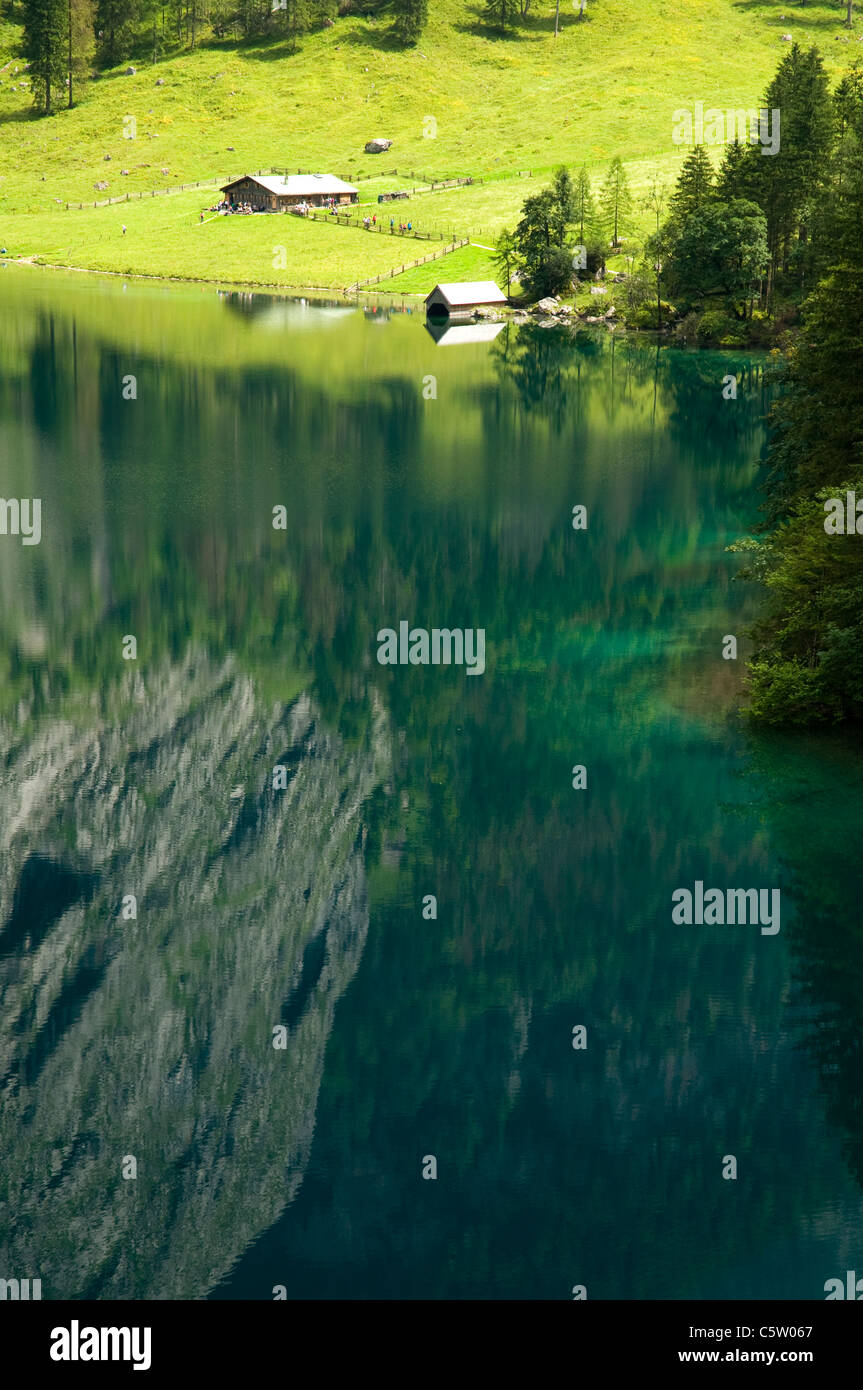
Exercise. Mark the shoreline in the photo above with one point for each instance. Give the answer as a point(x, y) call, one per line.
point(519, 315)
point(31, 262)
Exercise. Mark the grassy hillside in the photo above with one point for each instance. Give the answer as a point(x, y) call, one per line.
point(606, 85)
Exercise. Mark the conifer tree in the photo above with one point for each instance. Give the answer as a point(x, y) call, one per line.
point(791, 183)
point(80, 42)
point(695, 185)
point(411, 17)
point(114, 20)
point(584, 206)
point(564, 205)
point(735, 179)
point(46, 29)
point(501, 14)
point(616, 200)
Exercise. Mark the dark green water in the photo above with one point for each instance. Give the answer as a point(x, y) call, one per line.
point(152, 1037)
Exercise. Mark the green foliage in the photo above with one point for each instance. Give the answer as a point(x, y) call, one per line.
point(506, 257)
point(584, 214)
point(733, 179)
point(647, 315)
point(616, 200)
point(721, 251)
point(814, 615)
point(411, 17)
point(115, 23)
point(551, 273)
point(542, 234)
point(45, 48)
point(501, 14)
point(717, 326)
point(694, 185)
point(790, 184)
point(786, 693)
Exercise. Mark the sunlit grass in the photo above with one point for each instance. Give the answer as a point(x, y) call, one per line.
point(605, 86)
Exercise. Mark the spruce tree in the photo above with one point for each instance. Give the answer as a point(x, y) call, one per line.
point(46, 44)
point(695, 185)
point(791, 183)
point(411, 17)
point(80, 41)
point(501, 14)
point(506, 256)
point(616, 200)
point(584, 213)
point(114, 20)
point(564, 205)
point(735, 178)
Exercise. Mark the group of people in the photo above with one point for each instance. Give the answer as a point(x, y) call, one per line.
point(302, 208)
point(225, 206)
point(369, 222)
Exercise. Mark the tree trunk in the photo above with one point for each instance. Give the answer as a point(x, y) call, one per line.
point(70, 52)
point(556, 17)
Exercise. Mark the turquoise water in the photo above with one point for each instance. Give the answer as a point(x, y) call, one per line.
point(433, 484)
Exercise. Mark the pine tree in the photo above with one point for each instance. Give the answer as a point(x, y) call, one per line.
point(46, 45)
point(848, 100)
point(506, 256)
point(616, 200)
point(411, 17)
point(292, 18)
point(114, 20)
point(564, 205)
point(80, 40)
point(791, 183)
point(735, 178)
point(584, 206)
point(501, 14)
point(695, 185)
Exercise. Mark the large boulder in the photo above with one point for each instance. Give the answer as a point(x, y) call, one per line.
point(377, 146)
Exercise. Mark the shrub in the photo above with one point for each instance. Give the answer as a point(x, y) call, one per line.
point(716, 325)
point(786, 693)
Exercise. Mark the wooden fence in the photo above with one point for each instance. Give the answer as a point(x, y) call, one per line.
point(409, 265)
point(351, 220)
point(432, 185)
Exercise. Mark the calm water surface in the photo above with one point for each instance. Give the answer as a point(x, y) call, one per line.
point(150, 1036)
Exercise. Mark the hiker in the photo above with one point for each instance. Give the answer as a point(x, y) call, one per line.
point(410, 224)
point(202, 216)
point(392, 223)
point(124, 229)
point(374, 219)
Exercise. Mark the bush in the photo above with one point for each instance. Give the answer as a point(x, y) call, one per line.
point(552, 274)
point(595, 258)
point(687, 330)
point(717, 325)
point(786, 693)
point(645, 316)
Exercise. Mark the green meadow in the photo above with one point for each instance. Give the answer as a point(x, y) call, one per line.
point(505, 110)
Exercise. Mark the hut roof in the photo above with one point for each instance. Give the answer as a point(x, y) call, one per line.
point(297, 185)
point(468, 292)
